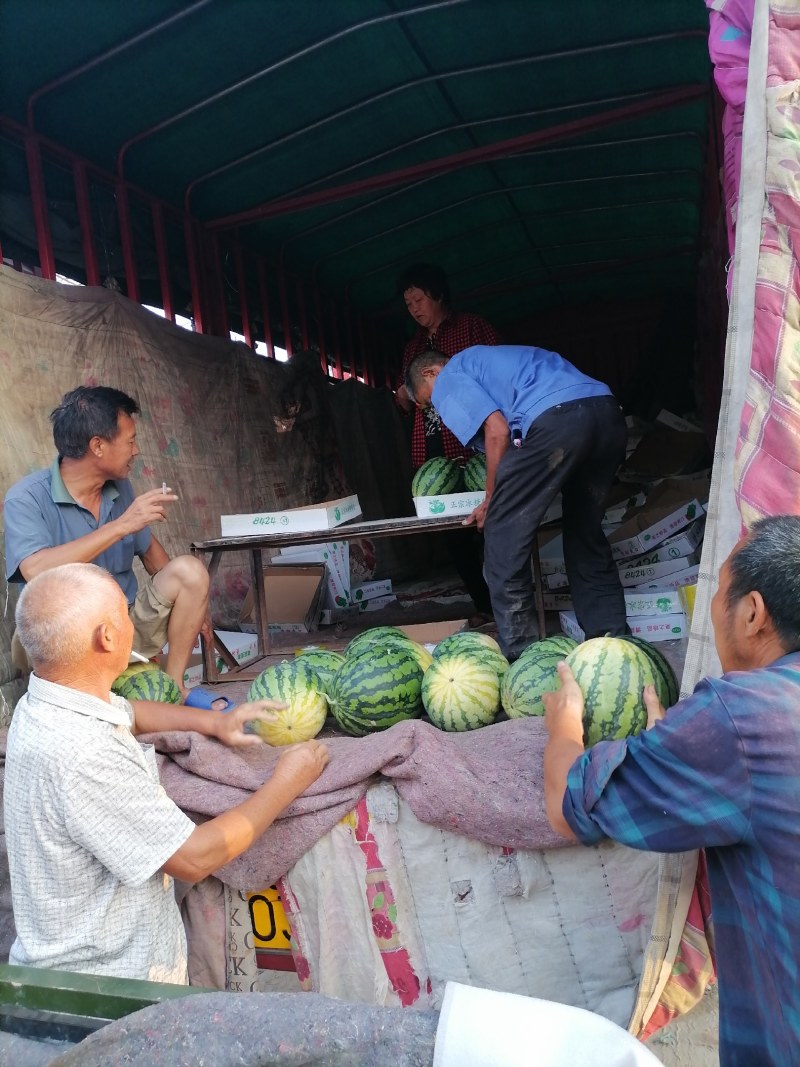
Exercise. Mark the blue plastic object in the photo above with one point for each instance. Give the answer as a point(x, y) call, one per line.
point(201, 698)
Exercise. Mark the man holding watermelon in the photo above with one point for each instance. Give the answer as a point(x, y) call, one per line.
point(545, 428)
point(83, 509)
point(718, 771)
point(93, 840)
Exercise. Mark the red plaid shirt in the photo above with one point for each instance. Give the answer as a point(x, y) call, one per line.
point(459, 330)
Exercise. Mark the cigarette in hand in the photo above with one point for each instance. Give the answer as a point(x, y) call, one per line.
point(164, 488)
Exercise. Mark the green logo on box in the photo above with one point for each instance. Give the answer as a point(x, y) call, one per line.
point(436, 507)
point(337, 514)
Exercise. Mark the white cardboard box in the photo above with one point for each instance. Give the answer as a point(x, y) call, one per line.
point(637, 574)
point(463, 503)
point(677, 580)
point(243, 647)
point(332, 615)
point(325, 516)
point(651, 627)
point(634, 538)
point(370, 590)
point(637, 603)
point(294, 599)
point(335, 555)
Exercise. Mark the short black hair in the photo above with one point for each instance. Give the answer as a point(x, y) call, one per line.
point(427, 277)
point(421, 362)
point(87, 412)
point(769, 563)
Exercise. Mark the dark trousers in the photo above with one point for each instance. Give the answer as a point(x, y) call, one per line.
point(465, 548)
point(576, 448)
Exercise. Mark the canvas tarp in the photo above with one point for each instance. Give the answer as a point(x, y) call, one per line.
point(228, 430)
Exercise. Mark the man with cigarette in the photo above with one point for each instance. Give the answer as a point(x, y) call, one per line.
point(82, 509)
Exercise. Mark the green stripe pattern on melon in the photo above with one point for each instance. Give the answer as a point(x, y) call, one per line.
point(296, 684)
point(558, 644)
point(526, 681)
point(460, 692)
point(324, 661)
point(375, 689)
point(148, 684)
point(476, 645)
point(475, 473)
point(611, 673)
point(666, 682)
point(368, 638)
point(437, 476)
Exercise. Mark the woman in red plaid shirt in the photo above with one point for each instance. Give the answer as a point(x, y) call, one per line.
point(426, 292)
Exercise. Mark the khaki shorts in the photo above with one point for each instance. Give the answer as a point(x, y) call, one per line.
point(149, 614)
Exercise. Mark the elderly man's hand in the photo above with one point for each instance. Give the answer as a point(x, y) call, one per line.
point(563, 709)
point(478, 516)
point(230, 726)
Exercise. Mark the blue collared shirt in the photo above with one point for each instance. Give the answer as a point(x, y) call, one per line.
point(518, 381)
point(721, 772)
point(40, 513)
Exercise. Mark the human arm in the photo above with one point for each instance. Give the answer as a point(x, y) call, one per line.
point(32, 539)
point(496, 438)
point(563, 720)
point(684, 784)
point(220, 840)
point(152, 717)
point(155, 558)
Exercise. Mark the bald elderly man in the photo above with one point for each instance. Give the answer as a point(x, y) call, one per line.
point(93, 840)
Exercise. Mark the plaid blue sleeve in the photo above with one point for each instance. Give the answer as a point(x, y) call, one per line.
point(682, 785)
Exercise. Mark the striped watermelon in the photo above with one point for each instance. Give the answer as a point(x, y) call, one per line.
point(460, 692)
point(666, 683)
point(557, 644)
point(324, 661)
point(147, 684)
point(611, 673)
point(375, 689)
point(367, 638)
point(475, 473)
point(473, 644)
point(296, 684)
point(437, 476)
point(526, 680)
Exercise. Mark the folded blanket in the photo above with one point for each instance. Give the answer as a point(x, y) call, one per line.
point(487, 784)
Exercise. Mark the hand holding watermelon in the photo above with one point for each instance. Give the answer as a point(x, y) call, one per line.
point(563, 709)
point(230, 725)
point(655, 709)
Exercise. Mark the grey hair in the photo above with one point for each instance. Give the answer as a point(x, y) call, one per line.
point(421, 362)
point(60, 609)
point(769, 563)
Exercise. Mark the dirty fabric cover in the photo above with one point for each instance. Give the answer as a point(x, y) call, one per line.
point(492, 791)
point(228, 430)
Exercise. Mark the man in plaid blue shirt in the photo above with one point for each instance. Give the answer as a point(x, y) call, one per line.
point(721, 771)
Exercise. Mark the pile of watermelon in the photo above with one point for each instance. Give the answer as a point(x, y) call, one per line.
point(440, 475)
point(611, 672)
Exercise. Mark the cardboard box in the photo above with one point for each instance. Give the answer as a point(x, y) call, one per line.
point(325, 516)
point(651, 627)
point(332, 615)
point(294, 598)
point(463, 503)
point(243, 647)
point(677, 580)
point(636, 575)
point(664, 452)
point(621, 499)
point(335, 555)
point(666, 512)
point(370, 590)
point(637, 602)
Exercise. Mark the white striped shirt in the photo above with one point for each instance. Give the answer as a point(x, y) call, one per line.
point(88, 829)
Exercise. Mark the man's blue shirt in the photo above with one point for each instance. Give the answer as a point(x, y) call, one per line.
point(721, 772)
point(40, 513)
point(518, 381)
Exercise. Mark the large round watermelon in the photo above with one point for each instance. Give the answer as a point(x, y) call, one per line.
point(296, 684)
point(375, 689)
point(460, 692)
point(666, 683)
point(611, 673)
point(369, 638)
point(324, 661)
point(555, 645)
point(475, 473)
point(473, 644)
point(147, 684)
point(436, 477)
point(526, 680)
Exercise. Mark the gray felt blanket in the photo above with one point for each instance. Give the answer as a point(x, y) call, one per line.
point(487, 784)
